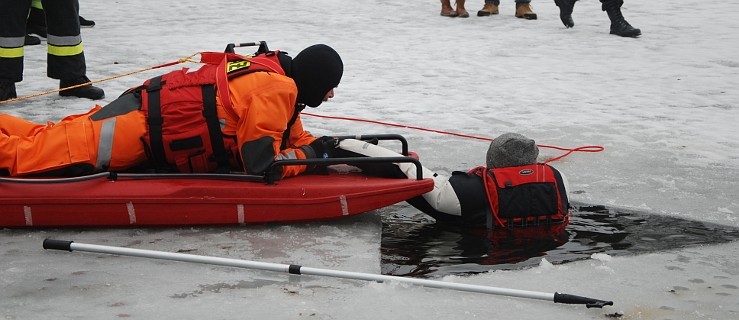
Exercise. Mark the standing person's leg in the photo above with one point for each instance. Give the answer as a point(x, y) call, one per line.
point(619, 26)
point(36, 23)
point(13, 16)
point(565, 11)
point(447, 10)
point(461, 10)
point(66, 58)
point(490, 8)
point(66, 55)
point(523, 10)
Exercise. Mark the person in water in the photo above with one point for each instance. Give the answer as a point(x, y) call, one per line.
point(512, 190)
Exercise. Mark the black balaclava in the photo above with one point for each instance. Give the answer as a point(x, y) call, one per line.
point(316, 70)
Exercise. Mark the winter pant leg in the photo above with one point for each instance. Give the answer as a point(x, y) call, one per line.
point(12, 126)
point(120, 145)
point(66, 59)
point(13, 15)
point(46, 148)
point(605, 3)
point(74, 145)
point(523, 1)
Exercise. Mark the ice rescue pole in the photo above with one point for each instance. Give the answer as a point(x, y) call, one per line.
point(555, 297)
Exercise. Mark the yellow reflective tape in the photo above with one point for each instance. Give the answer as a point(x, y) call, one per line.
point(11, 52)
point(237, 65)
point(65, 51)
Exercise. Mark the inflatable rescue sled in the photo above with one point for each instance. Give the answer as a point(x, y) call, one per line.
point(140, 199)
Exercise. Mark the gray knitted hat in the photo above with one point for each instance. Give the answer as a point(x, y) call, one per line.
point(510, 150)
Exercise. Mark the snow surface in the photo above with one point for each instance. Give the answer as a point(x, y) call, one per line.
point(663, 105)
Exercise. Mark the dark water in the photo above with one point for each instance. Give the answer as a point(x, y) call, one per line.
point(422, 248)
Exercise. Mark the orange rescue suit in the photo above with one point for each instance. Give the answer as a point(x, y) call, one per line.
point(257, 112)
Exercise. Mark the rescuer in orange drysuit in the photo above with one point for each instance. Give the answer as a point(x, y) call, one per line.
point(234, 113)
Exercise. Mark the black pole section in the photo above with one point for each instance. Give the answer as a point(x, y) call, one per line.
point(294, 269)
point(573, 299)
point(58, 244)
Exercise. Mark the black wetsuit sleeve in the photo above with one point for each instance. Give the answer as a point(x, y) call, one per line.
point(470, 191)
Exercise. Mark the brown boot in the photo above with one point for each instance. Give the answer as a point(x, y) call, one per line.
point(447, 10)
point(489, 9)
point(523, 10)
point(461, 11)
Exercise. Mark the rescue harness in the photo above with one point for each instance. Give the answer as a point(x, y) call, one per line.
point(184, 131)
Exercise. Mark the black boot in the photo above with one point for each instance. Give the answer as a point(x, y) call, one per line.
point(84, 23)
point(31, 40)
point(87, 91)
point(36, 22)
point(565, 11)
point(619, 26)
point(7, 90)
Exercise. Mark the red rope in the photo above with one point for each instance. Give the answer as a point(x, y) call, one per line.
point(578, 149)
point(569, 150)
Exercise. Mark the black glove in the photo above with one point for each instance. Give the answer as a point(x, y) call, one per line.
point(324, 147)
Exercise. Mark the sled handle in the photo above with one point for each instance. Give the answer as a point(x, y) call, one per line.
point(389, 136)
point(262, 46)
point(269, 176)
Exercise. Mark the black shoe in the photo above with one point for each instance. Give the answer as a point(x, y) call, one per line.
point(31, 40)
point(84, 23)
point(619, 26)
point(565, 11)
point(7, 90)
point(624, 29)
point(37, 30)
point(87, 91)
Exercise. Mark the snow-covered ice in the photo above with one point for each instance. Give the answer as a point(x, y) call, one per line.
point(664, 106)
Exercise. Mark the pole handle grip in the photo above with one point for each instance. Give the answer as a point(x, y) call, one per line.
point(58, 244)
point(573, 299)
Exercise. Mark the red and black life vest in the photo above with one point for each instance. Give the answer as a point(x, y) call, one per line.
point(184, 132)
point(524, 196)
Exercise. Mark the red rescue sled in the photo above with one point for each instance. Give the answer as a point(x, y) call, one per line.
point(133, 200)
